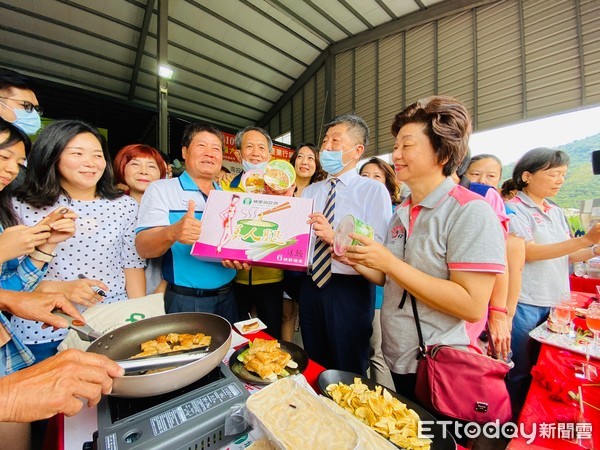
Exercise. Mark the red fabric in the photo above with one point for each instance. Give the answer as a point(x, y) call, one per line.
point(548, 401)
point(584, 284)
point(55, 439)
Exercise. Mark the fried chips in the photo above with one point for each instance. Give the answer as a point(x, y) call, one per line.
point(381, 411)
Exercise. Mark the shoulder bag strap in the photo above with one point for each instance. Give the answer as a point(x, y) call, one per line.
point(413, 302)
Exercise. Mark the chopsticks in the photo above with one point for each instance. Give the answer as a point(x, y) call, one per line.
point(582, 401)
point(278, 208)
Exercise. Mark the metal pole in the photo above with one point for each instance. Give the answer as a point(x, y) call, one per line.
point(163, 89)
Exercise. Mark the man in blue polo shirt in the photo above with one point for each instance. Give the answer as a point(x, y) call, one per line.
point(169, 223)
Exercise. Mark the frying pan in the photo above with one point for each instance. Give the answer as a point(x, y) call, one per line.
point(124, 342)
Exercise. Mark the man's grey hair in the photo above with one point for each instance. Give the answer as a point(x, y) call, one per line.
point(356, 125)
point(240, 134)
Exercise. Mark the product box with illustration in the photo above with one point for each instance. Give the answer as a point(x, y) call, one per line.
point(263, 230)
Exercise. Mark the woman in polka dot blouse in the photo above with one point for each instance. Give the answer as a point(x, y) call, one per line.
point(69, 165)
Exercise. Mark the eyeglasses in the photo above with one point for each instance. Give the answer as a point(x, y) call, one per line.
point(27, 106)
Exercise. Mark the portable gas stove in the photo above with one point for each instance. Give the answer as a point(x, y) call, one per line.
point(191, 417)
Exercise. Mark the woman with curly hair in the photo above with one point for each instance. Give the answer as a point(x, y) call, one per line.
point(443, 248)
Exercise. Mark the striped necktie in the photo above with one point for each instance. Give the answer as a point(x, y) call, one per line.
point(321, 268)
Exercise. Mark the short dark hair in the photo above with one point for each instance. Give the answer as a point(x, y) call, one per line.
point(42, 180)
point(356, 125)
point(192, 129)
point(447, 124)
point(390, 177)
point(319, 174)
point(15, 135)
point(11, 79)
point(240, 134)
point(540, 158)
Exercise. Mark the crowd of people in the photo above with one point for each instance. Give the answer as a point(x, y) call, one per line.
point(444, 238)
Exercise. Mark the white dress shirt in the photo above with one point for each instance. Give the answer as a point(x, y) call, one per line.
point(366, 199)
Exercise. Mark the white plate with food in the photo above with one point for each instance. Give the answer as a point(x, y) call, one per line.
point(250, 325)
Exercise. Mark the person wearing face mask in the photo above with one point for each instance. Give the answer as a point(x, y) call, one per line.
point(19, 106)
point(18, 103)
point(260, 288)
point(336, 305)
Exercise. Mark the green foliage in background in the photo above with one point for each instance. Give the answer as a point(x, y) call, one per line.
point(581, 183)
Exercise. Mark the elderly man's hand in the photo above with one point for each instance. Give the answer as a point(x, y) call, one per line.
point(58, 384)
point(289, 192)
point(187, 229)
point(39, 305)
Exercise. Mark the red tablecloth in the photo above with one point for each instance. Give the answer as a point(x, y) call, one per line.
point(584, 284)
point(554, 418)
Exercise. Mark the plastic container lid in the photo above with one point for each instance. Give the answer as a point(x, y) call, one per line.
point(253, 181)
point(341, 239)
point(279, 175)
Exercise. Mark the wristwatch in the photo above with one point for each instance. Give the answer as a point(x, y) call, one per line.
point(41, 256)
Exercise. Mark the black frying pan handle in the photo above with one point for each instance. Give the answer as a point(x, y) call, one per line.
point(85, 332)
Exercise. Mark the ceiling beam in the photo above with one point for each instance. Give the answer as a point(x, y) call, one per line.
point(312, 69)
point(140, 49)
point(435, 12)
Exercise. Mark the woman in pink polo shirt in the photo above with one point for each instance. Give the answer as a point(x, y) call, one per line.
point(444, 245)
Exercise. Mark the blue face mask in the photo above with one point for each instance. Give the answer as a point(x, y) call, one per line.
point(28, 122)
point(332, 161)
point(247, 165)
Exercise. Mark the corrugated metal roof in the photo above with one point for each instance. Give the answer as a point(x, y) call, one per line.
point(232, 59)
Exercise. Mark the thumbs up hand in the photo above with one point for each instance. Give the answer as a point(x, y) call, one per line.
point(187, 229)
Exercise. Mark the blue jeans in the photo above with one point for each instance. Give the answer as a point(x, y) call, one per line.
point(525, 352)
